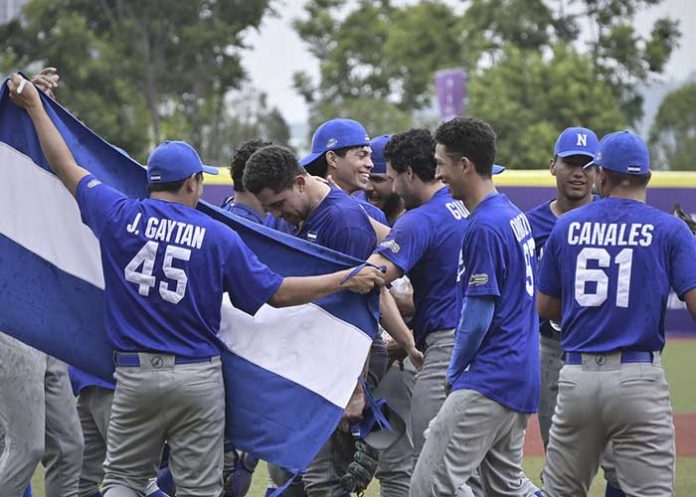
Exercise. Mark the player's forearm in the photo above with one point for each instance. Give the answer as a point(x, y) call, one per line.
point(297, 290)
point(56, 151)
point(476, 318)
point(393, 323)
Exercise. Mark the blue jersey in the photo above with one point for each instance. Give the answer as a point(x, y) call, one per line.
point(498, 260)
point(424, 243)
point(612, 264)
point(255, 216)
point(340, 223)
point(81, 380)
point(374, 212)
point(166, 267)
point(542, 220)
point(245, 211)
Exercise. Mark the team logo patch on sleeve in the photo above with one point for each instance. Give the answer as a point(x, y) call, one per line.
point(478, 279)
point(92, 183)
point(391, 245)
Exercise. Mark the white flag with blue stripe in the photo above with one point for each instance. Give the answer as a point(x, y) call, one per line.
point(288, 372)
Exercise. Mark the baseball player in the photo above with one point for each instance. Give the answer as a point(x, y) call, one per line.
point(424, 244)
point(341, 152)
point(244, 204)
point(575, 147)
point(493, 372)
point(166, 267)
point(379, 190)
point(606, 274)
point(329, 217)
point(38, 417)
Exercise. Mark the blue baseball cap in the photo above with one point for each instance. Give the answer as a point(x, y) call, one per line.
point(377, 145)
point(577, 141)
point(623, 152)
point(335, 134)
point(497, 169)
point(173, 161)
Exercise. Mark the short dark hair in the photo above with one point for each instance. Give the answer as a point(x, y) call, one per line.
point(273, 167)
point(171, 187)
point(471, 138)
point(630, 180)
point(414, 148)
point(320, 166)
point(240, 158)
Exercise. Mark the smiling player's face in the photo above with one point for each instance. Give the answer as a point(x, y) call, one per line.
point(352, 172)
point(450, 171)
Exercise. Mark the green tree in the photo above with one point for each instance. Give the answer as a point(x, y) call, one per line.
point(376, 62)
point(384, 50)
point(528, 100)
point(673, 134)
point(167, 64)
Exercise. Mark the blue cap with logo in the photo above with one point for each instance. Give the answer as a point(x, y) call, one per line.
point(577, 141)
point(335, 134)
point(173, 161)
point(623, 152)
point(377, 145)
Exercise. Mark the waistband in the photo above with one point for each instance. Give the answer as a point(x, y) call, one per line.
point(627, 357)
point(155, 360)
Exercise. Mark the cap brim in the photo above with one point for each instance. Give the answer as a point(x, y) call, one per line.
point(211, 170)
point(308, 159)
point(590, 164)
point(568, 153)
point(497, 169)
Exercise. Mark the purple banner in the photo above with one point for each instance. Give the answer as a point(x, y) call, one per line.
point(451, 91)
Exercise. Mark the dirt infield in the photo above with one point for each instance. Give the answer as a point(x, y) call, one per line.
point(685, 431)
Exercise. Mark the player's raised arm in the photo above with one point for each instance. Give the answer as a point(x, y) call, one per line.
point(24, 94)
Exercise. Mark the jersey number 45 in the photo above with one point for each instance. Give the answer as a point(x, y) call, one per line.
point(145, 280)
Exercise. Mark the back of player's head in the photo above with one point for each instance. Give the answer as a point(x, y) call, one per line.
point(240, 158)
point(415, 149)
point(471, 138)
point(625, 158)
point(273, 167)
point(171, 163)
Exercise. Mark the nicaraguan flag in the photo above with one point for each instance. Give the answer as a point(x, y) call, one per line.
point(288, 373)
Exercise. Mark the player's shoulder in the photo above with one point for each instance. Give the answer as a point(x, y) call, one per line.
point(346, 211)
point(540, 212)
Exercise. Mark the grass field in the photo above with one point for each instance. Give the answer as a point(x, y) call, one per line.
point(678, 359)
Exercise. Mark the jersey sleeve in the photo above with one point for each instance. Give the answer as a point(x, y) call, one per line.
point(407, 242)
point(683, 260)
point(96, 201)
point(549, 276)
point(484, 263)
point(248, 281)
